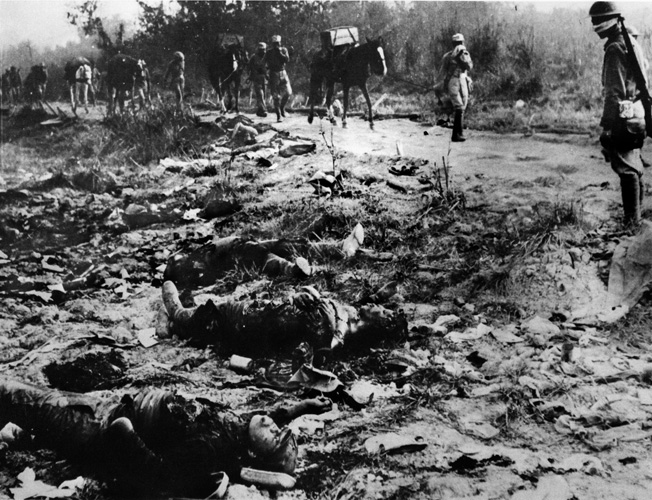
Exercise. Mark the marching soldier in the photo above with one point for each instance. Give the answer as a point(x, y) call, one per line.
point(454, 87)
point(276, 58)
point(258, 77)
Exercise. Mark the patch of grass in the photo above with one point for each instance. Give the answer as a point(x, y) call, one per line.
point(330, 468)
point(156, 133)
point(517, 406)
point(567, 169)
point(521, 241)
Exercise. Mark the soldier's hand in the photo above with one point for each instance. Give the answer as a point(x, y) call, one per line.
point(319, 405)
point(606, 155)
point(605, 139)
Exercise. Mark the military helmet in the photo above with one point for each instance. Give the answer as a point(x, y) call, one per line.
point(604, 9)
point(458, 37)
point(179, 55)
point(262, 45)
point(276, 39)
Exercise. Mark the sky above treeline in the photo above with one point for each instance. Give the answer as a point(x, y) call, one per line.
point(44, 22)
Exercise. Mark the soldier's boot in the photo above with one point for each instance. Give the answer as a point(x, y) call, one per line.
point(631, 193)
point(284, 101)
point(458, 126)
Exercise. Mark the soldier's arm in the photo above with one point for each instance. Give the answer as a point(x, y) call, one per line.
point(168, 72)
point(614, 85)
point(443, 67)
point(284, 54)
point(283, 416)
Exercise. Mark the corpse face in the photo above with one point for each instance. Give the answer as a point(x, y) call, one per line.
point(375, 314)
point(275, 448)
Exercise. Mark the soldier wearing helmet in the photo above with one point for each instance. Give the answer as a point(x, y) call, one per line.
point(453, 87)
point(623, 118)
point(176, 74)
point(276, 58)
point(258, 77)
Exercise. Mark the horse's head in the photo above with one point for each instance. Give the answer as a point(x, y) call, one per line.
point(238, 55)
point(377, 56)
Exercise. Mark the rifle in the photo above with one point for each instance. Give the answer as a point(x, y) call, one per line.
point(640, 79)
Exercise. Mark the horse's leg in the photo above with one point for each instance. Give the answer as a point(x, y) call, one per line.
point(84, 90)
point(135, 91)
point(315, 91)
point(73, 91)
point(365, 92)
point(237, 95)
point(329, 102)
point(345, 88)
point(111, 103)
point(220, 96)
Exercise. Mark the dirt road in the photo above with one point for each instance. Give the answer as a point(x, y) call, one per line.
point(512, 170)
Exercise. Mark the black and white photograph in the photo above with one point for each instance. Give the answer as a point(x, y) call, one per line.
point(325, 250)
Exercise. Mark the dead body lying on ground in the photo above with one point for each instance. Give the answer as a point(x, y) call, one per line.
point(279, 257)
point(154, 440)
point(260, 328)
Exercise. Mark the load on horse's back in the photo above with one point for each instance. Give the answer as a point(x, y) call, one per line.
point(342, 60)
point(226, 63)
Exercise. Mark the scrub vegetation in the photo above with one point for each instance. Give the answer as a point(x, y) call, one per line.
point(548, 60)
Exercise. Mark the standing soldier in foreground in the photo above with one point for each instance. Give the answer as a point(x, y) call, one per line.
point(258, 77)
point(455, 84)
point(623, 117)
point(279, 82)
point(176, 74)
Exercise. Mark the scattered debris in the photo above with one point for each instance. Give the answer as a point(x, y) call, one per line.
point(309, 377)
point(273, 480)
point(11, 433)
point(30, 487)
point(393, 443)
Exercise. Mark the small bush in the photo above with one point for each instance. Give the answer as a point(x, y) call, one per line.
point(155, 133)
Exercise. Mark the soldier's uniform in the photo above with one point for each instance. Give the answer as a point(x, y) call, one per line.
point(153, 440)
point(453, 88)
point(623, 118)
point(258, 77)
point(276, 58)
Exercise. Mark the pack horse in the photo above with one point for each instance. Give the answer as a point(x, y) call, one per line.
point(127, 76)
point(226, 63)
point(342, 60)
point(77, 74)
